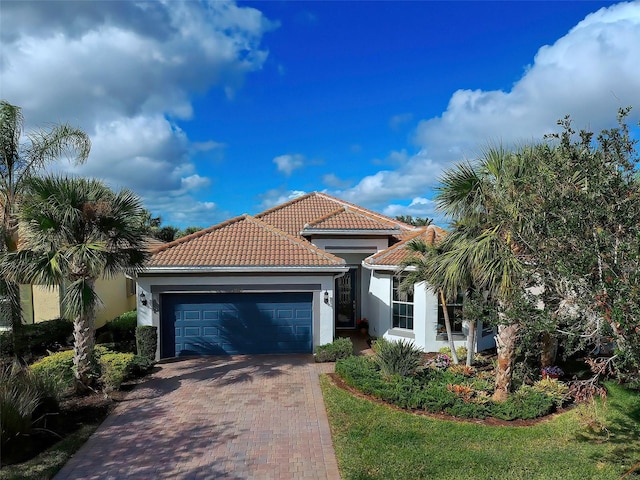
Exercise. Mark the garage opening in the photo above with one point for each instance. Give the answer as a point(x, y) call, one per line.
point(235, 323)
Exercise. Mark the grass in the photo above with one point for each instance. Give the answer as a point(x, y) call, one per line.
point(49, 462)
point(373, 441)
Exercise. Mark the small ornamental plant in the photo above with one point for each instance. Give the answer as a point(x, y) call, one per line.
point(363, 323)
point(441, 361)
point(552, 372)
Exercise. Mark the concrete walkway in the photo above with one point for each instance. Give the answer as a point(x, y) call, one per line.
point(244, 417)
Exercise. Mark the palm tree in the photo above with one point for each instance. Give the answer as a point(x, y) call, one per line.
point(483, 198)
point(18, 161)
point(422, 266)
point(74, 231)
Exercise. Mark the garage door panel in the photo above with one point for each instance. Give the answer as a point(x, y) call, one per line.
point(214, 324)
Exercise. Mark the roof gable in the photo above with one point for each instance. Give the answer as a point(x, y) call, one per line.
point(243, 241)
point(314, 208)
point(346, 218)
point(396, 254)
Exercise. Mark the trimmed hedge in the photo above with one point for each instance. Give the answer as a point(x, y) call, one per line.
point(37, 338)
point(437, 391)
point(147, 341)
point(121, 331)
point(340, 348)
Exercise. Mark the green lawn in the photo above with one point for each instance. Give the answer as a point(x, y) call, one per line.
point(373, 441)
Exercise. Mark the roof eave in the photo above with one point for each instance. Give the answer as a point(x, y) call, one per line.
point(245, 269)
point(363, 231)
point(390, 268)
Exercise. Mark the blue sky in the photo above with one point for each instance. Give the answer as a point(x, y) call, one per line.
point(210, 110)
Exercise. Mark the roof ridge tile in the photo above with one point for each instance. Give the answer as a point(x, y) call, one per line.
point(326, 217)
point(364, 210)
point(282, 205)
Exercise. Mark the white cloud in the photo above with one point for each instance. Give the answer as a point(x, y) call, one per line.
point(122, 71)
point(194, 182)
point(276, 196)
point(332, 180)
point(418, 207)
point(289, 162)
point(588, 73)
point(405, 182)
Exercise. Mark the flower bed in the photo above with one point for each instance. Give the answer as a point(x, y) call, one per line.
point(452, 390)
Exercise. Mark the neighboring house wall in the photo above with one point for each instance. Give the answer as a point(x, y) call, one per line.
point(41, 303)
point(114, 299)
point(323, 321)
point(46, 303)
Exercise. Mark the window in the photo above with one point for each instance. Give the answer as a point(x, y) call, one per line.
point(402, 304)
point(455, 317)
point(131, 287)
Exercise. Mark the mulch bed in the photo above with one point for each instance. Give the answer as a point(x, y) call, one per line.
point(489, 421)
point(75, 412)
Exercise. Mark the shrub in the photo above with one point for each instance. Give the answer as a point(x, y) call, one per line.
point(123, 331)
point(526, 403)
point(6, 344)
point(397, 358)
point(114, 369)
point(340, 348)
point(58, 367)
point(139, 366)
point(356, 371)
point(557, 391)
point(461, 369)
point(461, 351)
point(37, 338)
point(22, 395)
point(147, 341)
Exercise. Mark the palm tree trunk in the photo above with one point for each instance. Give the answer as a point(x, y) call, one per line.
point(447, 324)
point(471, 341)
point(84, 336)
point(11, 290)
point(506, 341)
point(549, 349)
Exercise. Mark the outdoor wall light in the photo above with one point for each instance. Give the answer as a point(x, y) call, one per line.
point(143, 299)
point(326, 297)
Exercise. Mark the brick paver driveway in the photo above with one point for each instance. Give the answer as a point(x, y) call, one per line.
point(244, 417)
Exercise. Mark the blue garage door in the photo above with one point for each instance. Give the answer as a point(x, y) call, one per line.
point(236, 323)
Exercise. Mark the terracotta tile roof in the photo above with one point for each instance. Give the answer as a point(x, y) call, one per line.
point(292, 216)
point(396, 254)
point(346, 218)
point(243, 241)
point(152, 244)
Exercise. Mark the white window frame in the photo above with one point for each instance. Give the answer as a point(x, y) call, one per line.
point(405, 306)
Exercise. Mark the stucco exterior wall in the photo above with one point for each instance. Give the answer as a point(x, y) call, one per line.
point(113, 293)
point(377, 308)
point(41, 303)
point(323, 319)
point(46, 303)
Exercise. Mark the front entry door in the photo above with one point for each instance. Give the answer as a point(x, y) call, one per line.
point(347, 289)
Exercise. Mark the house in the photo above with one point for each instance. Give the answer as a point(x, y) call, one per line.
point(117, 294)
point(287, 279)
point(41, 303)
